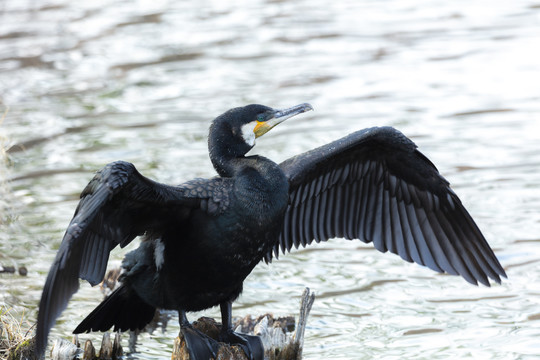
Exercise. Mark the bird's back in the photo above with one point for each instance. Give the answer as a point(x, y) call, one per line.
point(203, 260)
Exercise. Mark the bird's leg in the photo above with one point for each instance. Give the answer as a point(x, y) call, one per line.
point(252, 345)
point(199, 345)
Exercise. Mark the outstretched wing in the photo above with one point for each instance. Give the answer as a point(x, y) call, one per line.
point(374, 185)
point(117, 205)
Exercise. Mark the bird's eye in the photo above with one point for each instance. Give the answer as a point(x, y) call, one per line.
point(261, 117)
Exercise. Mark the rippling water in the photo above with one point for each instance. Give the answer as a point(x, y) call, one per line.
point(84, 84)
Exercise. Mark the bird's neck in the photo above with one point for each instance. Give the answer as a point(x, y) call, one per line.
point(228, 166)
point(227, 152)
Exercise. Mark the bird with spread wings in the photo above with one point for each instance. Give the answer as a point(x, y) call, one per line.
point(201, 239)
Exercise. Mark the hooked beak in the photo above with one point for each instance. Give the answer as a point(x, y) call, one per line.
point(275, 117)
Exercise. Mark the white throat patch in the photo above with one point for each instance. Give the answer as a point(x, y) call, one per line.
point(248, 133)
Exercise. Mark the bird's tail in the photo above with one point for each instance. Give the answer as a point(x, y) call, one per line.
point(123, 309)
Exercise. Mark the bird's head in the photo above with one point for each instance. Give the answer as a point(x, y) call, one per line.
point(257, 120)
point(247, 123)
point(233, 133)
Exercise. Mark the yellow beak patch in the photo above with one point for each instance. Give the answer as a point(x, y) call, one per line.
point(261, 128)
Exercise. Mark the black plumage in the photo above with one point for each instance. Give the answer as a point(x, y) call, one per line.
point(202, 238)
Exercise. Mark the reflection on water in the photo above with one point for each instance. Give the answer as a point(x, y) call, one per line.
point(90, 83)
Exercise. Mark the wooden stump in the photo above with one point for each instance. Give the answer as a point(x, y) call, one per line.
point(279, 340)
point(65, 350)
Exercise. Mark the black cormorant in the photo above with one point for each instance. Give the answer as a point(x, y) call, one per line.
point(201, 239)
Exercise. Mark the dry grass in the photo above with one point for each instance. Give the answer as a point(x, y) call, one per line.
point(14, 331)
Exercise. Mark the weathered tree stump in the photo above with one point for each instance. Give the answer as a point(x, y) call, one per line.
point(89, 351)
point(65, 350)
point(279, 340)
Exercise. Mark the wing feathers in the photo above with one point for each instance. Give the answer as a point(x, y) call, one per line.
point(375, 186)
point(406, 248)
point(377, 228)
point(323, 231)
point(117, 205)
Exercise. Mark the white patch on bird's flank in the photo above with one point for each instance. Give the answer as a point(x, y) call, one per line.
point(159, 254)
point(248, 133)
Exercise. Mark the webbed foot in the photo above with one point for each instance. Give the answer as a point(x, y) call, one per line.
point(252, 345)
point(199, 345)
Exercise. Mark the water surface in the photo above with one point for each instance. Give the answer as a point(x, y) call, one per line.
point(86, 84)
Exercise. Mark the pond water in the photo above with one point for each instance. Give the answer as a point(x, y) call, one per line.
point(86, 83)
